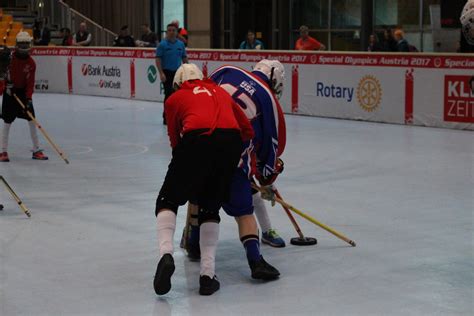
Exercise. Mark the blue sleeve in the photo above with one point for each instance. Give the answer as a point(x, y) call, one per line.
point(184, 50)
point(261, 44)
point(160, 50)
point(242, 45)
point(268, 149)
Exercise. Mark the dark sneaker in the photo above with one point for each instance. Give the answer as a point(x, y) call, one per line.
point(208, 286)
point(262, 270)
point(164, 271)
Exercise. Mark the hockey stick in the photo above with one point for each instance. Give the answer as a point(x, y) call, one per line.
point(193, 209)
point(15, 196)
point(301, 240)
point(50, 141)
point(312, 220)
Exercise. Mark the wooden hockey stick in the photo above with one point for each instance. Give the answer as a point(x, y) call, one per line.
point(38, 125)
point(15, 196)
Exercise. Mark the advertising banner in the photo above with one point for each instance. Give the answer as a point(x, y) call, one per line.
point(420, 89)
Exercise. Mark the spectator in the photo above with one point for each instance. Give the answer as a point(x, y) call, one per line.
point(170, 54)
point(41, 34)
point(182, 32)
point(82, 37)
point(124, 39)
point(374, 45)
point(402, 43)
point(67, 37)
point(251, 42)
point(306, 42)
point(148, 38)
point(389, 44)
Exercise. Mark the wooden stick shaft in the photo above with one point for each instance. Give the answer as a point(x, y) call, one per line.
point(186, 226)
point(314, 221)
point(291, 217)
point(15, 197)
point(38, 125)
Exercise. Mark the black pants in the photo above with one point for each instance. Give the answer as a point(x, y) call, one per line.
point(11, 110)
point(168, 85)
point(201, 170)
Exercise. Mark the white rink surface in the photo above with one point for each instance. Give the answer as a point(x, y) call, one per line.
point(404, 194)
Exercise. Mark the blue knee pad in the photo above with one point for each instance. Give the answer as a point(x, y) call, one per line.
point(240, 202)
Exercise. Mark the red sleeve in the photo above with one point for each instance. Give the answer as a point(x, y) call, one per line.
point(316, 44)
point(30, 79)
point(2, 86)
point(298, 44)
point(172, 120)
point(281, 130)
point(246, 130)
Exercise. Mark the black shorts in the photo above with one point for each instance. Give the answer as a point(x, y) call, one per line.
point(11, 110)
point(201, 170)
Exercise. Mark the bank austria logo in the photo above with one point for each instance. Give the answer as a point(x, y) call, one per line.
point(100, 70)
point(84, 69)
point(152, 74)
point(369, 93)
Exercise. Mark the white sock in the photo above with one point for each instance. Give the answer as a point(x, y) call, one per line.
point(5, 135)
point(166, 224)
point(261, 213)
point(34, 136)
point(209, 235)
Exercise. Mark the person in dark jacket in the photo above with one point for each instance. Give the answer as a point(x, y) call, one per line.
point(82, 37)
point(402, 43)
point(374, 45)
point(41, 34)
point(67, 37)
point(389, 44)
point(148, 38)
point(124, 39)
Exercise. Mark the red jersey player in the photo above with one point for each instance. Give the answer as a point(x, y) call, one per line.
point(206, 130)
point(19, 80)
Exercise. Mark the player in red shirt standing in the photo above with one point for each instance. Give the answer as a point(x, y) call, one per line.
point(206, 130)
point(306, 42)
point(19, 79)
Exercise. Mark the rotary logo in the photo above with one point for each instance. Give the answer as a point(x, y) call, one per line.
point(369, 93)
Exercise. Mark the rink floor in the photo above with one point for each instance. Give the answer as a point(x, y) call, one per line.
point(404, 194)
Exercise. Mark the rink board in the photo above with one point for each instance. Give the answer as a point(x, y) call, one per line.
point(412, 89)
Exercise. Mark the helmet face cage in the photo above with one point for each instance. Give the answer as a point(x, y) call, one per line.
point(275, 73)
point(468, 28)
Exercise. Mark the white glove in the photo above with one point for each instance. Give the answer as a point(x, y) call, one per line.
point(268, 193)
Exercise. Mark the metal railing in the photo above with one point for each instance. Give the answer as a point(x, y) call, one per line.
point(64, 16)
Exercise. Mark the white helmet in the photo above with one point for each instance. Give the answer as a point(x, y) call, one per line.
point(185, 73)
point(467, 7)
point(23, 42)
point(275, 72)
point(467, 21)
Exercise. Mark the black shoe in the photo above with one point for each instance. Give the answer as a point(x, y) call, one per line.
point(208, 286)
point(262, 270)
point(194, 252)
point(164, 271)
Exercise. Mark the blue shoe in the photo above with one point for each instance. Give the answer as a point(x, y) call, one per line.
point(272, 238)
